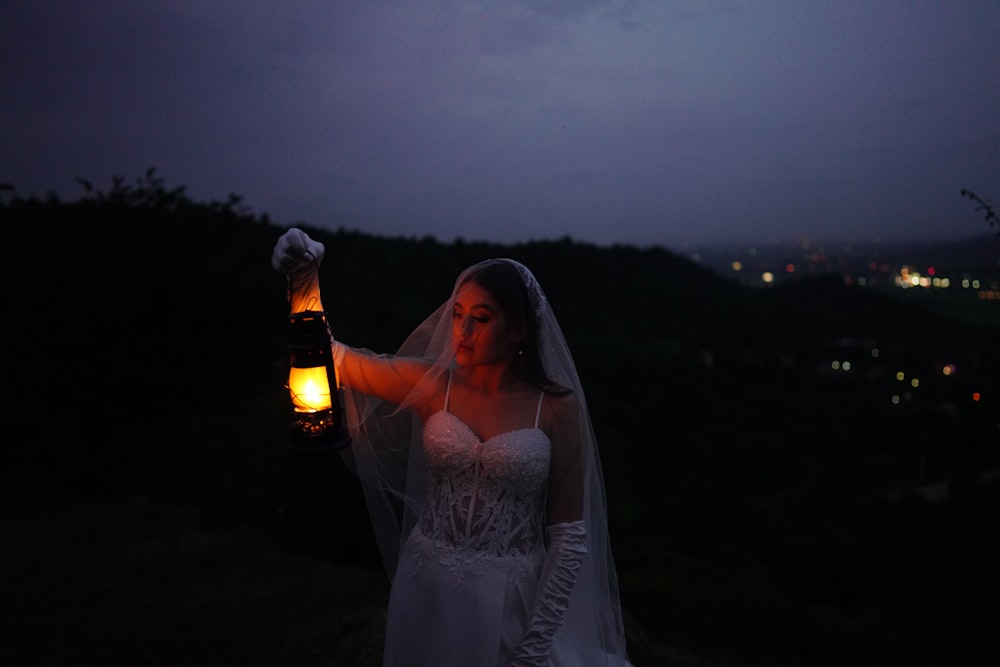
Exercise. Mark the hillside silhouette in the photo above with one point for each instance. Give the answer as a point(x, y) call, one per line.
point(765, 509)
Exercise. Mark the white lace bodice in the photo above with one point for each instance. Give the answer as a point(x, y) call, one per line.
point(485, 500)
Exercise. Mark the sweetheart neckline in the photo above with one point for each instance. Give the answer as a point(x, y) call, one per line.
point(491, 438)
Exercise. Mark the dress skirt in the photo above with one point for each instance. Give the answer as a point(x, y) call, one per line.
point(454, 608)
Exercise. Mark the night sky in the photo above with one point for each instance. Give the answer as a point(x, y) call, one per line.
point(639, 122)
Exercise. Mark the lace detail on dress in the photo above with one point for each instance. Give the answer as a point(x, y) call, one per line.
point(485, 501)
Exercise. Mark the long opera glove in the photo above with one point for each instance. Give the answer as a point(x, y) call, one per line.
point(298, 256)
point(567, 548)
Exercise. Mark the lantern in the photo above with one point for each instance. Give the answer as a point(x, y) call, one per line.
point(316, 395)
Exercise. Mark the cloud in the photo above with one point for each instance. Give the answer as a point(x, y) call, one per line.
point(633, 117)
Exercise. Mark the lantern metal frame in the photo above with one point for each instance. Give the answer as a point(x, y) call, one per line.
point(309, 347)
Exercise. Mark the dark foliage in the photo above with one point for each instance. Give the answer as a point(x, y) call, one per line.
point(983, 206)
point(764, 507)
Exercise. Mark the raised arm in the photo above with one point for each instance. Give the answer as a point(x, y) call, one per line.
point(388, 377)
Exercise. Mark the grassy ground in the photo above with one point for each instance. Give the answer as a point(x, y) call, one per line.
point(105, 582)
point(145, 583)
point(102, 582)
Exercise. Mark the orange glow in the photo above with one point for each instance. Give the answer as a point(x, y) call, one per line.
point(976, 396)
point(309, 389)
point(789, 268)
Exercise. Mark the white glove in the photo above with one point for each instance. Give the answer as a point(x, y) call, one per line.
point(298, 257)
point(567, 548)
point(295, 251)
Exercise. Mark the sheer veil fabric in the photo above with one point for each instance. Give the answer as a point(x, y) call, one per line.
point(388, 456)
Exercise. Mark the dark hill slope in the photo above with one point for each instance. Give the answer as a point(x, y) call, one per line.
point(747, 481)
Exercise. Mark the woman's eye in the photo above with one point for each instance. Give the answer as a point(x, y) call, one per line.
point(478, 319)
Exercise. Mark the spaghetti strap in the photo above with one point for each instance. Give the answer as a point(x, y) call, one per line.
point(538, 412)
point(447, 392)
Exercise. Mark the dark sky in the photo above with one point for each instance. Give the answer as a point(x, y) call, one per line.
point(667, 122)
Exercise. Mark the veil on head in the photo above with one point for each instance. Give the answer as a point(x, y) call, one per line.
point(387, 455)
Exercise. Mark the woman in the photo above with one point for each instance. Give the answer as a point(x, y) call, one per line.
point(482, 477)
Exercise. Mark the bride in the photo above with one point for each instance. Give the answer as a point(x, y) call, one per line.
point(482, 477)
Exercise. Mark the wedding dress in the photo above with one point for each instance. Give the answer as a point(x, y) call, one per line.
point(467, 576)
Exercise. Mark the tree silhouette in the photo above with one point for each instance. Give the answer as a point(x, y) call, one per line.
point(984, 206)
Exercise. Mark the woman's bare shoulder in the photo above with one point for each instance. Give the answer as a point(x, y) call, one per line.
point(560, 409)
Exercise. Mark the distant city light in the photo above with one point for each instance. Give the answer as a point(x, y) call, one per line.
point(766, 267)
point(908, 278)
point(976, 396)
point(915, 382)
point(835, 365)
point(948, 369)
point(875, 353)
point(895, 399)
point(900, 375)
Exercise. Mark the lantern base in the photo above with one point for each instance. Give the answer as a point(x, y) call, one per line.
point(317, 432)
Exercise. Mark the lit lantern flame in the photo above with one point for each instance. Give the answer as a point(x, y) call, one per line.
point(309, 389)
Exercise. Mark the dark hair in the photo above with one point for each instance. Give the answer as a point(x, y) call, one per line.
point(504, 282)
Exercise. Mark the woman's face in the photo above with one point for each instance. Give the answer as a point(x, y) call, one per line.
point(481, 332)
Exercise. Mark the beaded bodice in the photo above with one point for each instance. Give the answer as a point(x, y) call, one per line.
point(485, 499)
